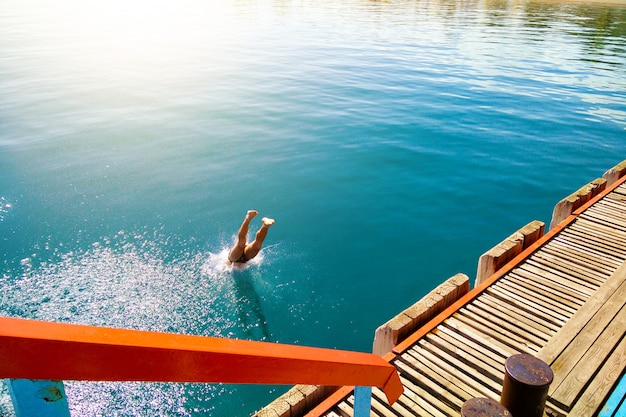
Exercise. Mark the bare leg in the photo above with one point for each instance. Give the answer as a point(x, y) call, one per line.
point(242, 236)
point(253, 248)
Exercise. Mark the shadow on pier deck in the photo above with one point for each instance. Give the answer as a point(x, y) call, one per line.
point(560, 299)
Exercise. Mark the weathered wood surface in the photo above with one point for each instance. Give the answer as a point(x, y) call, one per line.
point(615, 173)
point(395, 330)
point(495, 258)
point(523, 311)
point(575, 200)
point(297, 401)
point(585, 343)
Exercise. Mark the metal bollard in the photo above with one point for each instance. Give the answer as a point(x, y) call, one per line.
point(525, 387)
point(483, 407)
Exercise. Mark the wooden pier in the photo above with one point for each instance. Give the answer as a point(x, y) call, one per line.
point(558, 296)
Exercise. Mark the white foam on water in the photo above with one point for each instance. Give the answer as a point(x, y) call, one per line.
point(216, 264)
point(126, 282)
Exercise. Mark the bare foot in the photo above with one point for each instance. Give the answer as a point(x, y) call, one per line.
point(267, 221)
point(251, 214)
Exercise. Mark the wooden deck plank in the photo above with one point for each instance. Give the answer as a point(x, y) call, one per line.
point(604, 216)
point(458, 341)
point(584, 256)
point(554, 294)
point(579, 280)
point(463, 381)
point(616, 197)
point(577, 262)
point(610, 234)
point(494, 337)
point(445, 379)
point(609, 255)
point(407, 404)
point(398, 408)
point(479, 377)
point(594, 238)
point(380, 406)
point(566, 286)
point(423, 380)
point(586, 275)
point(579, 284)
point(563, 338)
point(602, 220)
point(536, 279)
point(612, 210)
point(512, 315)
point(599, 389)
point(423, 399)
point(602, 248)
point(466, 356)
point(597, 231)
point(345, 409)
point(505, 326)
point(516, 315)
point(614, 205)
point(529, 302)
point(503, 335)
point(484, 339)
point(572, 387)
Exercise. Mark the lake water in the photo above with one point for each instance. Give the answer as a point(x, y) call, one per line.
point(394, 142)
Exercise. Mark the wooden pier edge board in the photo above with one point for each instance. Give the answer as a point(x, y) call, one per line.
point(575, 200)
point(480, 288)
point(587, 192)
point(297, 401)
point(495, 258)
point(615, 173)
point(394, 331)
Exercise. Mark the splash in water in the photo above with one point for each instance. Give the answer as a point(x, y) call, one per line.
point(138, 281)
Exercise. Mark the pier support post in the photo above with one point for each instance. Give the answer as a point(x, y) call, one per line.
point(38, 398)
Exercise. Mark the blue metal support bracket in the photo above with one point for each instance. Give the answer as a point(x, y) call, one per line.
point(38, 398)
point(362, 401)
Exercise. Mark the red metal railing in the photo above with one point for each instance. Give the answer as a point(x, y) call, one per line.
point(40, 350)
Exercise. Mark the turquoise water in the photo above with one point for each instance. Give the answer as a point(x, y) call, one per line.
point(393, 142)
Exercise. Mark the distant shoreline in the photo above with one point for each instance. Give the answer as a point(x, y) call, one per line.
point(594, 2)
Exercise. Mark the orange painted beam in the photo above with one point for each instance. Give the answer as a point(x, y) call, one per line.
point(57, 351)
